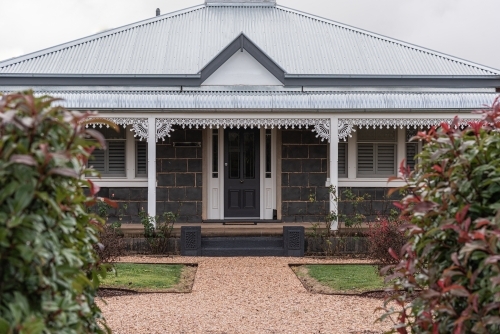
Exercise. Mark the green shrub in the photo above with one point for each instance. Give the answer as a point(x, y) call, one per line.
point(48, 268)
point(158, 238)
point(453, 255)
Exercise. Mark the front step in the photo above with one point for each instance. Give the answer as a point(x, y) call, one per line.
point(232, 252)
point(290, 243)
point(242, 246)
point(241, 242)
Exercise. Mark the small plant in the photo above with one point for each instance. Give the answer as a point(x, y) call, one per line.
point(312, 197)
point(103, 209)
point(359, 205)
point(158, 238)
point(110, 247)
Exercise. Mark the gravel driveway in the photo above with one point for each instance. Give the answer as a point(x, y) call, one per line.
point(241, 295)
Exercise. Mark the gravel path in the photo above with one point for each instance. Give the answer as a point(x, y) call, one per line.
point(241, 295)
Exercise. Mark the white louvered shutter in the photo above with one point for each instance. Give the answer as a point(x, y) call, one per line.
point(98, 160)
point(386, 159)
point(141, 158)
point(342, 153)
point(116, 158)
point(366, 159)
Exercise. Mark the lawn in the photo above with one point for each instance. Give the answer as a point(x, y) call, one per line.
point(149, 277)
point(340, 278)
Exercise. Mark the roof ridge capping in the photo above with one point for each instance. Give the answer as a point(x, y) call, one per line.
point(240, 2)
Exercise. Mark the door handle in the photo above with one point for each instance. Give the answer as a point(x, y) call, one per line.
point(241, 181)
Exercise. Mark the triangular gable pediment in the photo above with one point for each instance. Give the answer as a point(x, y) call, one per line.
point(242, 63)
point(242, 69)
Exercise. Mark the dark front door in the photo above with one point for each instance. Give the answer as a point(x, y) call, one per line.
point(241, 173)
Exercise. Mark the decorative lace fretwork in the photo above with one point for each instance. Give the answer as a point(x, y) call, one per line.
point(408, 123)
point(345, 130)
point(323, 131)
point(163, 128)
point(139, 125)
point(321, 126)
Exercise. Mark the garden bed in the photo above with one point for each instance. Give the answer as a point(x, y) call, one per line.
point(345, 279)
point(133, 278)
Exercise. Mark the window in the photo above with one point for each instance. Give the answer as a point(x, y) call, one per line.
point(412, 148)
point(111, 161)
point(377, 149)
point(215, 153)
point(342, 154)
point(141, 158)
point(268, 154)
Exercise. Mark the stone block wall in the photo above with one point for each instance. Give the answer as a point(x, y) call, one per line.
point(303, 171)
point(179, 176)
point(179, 183)
point(377, 204)
point(130, 201)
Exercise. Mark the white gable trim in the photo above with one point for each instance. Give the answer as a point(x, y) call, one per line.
point(242, 69)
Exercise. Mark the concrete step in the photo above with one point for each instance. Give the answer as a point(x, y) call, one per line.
point(242, 246)
point(242, 242)
point(229, 252)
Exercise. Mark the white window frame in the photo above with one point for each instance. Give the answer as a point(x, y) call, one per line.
point(130, 179)
point(106, 152)
point(375, 144)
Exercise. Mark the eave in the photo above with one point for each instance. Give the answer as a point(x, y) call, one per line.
point(196, 80)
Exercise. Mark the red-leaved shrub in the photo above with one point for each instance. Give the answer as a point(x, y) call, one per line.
point(452, 259)
point(384, 235)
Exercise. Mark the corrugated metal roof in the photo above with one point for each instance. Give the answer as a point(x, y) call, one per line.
point(286, 100)
point(184, 42)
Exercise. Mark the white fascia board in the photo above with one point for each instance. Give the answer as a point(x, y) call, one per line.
point(91, 89)
point(242, 88)
point(292, 114)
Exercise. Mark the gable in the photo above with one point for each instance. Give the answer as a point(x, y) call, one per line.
point(242, 69)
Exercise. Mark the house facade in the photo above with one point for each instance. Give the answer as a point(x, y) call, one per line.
point(248, 110)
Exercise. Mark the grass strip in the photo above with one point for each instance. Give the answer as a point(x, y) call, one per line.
point(341, 278)
point(144, 277)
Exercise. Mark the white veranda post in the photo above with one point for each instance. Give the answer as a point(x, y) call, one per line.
point(334, 174)
point(152, 167)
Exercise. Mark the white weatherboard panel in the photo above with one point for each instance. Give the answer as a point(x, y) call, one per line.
point(215, 209)
point(215, 198)
point(242, 69)
point(269, 198)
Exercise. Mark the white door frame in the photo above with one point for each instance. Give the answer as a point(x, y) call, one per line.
point(214, 196)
